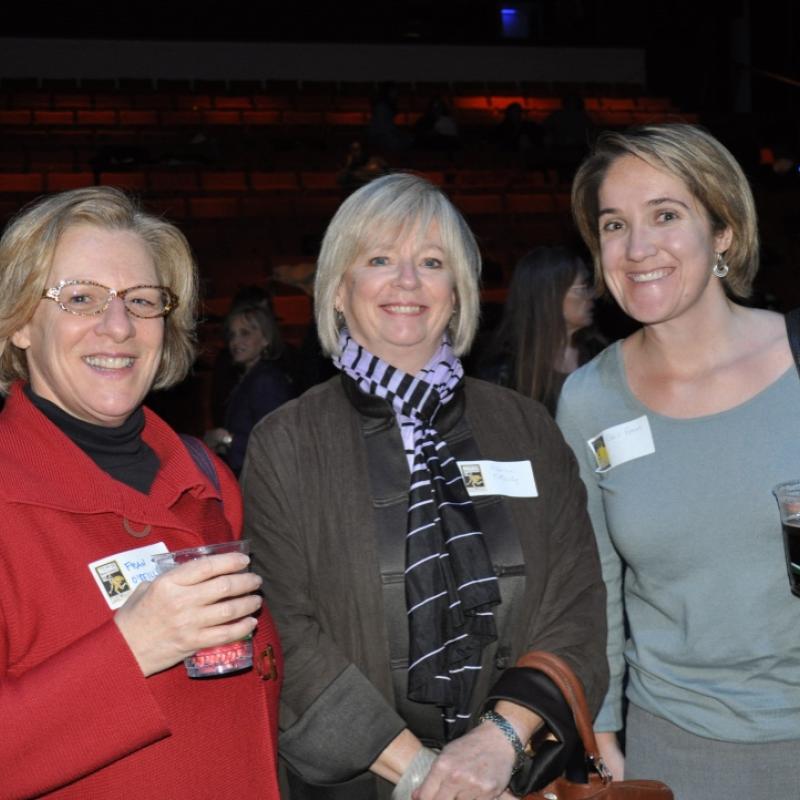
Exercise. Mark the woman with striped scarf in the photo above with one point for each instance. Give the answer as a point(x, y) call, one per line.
point(417, 531)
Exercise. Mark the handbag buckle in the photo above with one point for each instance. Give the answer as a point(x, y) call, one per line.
point(601, 768)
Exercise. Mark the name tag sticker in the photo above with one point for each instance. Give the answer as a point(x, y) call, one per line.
point(507, 478)
point(621, 443)
point(118, 575)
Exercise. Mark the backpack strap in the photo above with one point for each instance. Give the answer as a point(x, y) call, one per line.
point(793, 331)
point(201, 457)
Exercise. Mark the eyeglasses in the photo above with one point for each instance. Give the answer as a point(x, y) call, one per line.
point(87, 298)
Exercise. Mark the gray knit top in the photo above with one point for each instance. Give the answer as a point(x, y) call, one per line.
point(691, 548)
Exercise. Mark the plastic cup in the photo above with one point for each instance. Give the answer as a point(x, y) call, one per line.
point(226, 658)
point(788, 497)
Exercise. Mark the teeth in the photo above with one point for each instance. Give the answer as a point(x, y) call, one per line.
point(405, 309)
point(104, 362)
point(643, 277)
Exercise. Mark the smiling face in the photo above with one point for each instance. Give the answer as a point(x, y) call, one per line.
point(246, 341)
point(96, 368)
point(657, 245)
point(398, 297)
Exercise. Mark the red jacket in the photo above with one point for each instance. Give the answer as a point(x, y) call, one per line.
point(77, 717)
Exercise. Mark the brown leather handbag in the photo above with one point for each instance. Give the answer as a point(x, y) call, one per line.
point(600, 784)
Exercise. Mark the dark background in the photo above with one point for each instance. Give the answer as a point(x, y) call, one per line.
point(702, 54)
point(732, 65)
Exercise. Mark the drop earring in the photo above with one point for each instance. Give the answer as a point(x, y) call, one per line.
point(720, 268)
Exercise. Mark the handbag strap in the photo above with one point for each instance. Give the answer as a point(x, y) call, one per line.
point(562, 675)
point(793, 331)
point(201, 458)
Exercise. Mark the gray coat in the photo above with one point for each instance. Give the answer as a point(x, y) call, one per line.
point(325, 488)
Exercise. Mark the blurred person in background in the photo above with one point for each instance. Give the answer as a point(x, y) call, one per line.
point(255, 345)
point(546, 330)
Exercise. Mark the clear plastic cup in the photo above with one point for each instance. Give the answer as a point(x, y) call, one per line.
point(788, 496)
point(226, 658)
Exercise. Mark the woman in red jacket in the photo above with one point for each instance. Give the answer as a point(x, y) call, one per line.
point(97, 303)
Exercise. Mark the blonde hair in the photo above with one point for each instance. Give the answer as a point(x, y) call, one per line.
point(399, 203)
point(707, 168)
point(26, 255)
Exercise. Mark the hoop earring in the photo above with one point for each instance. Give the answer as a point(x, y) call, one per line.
point(720, 268)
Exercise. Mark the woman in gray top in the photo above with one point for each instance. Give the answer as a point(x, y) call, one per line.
point(681, 430)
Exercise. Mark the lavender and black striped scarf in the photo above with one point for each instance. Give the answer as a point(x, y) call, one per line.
point(450, 584)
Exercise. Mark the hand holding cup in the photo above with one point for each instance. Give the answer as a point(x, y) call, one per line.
point(205, 602)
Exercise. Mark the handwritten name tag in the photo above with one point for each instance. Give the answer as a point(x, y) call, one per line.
point(507, 478)
point(118, 575)
point(621, 443)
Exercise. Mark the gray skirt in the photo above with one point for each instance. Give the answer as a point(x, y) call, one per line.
point(696, 768)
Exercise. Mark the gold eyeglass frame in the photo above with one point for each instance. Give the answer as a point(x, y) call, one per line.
point(54, 291)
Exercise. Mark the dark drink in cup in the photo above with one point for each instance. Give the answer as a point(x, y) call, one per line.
point(791, 541)
point(788, 497)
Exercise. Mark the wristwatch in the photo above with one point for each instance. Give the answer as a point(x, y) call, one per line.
point(227, 440)
point(507, 729)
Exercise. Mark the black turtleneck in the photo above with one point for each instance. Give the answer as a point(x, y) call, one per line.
point(121, 452)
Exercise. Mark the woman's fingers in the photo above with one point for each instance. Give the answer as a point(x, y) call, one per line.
point(207, 592)
point(215, 438)
point(203, 603)
point(203, 569)
point(218, 617)
point(214, 637)
point(611, 753)
point(475, 767)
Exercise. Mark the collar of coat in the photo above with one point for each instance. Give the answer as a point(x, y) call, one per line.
point(41, 466)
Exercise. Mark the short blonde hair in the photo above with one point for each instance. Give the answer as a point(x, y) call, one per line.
point(707, 168)
point(26, 255)
point(400, 203)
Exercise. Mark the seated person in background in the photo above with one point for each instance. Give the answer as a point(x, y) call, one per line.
point(436, 129)
point(516, 132)
point(568, 132)
point(360, 168)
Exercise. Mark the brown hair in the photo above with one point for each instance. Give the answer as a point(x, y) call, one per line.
point(707, 168)
point(532, 332)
